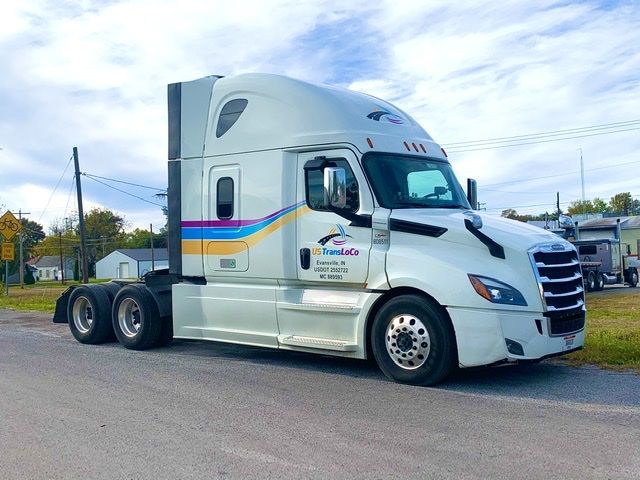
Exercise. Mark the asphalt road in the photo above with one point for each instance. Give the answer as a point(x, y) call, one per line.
point(205, 410)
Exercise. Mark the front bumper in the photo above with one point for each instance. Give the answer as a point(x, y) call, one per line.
point(481, 336)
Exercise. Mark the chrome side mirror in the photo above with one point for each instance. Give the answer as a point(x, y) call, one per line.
point(472, 193)
point(335, 187)
point(565, 221)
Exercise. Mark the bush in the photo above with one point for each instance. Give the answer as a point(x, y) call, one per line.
point(28, 277)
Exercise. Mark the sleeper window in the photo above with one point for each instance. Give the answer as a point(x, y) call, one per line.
point(224, 198)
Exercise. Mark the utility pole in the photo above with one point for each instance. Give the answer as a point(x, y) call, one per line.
point(21, 273)
point(584, 206)
point(83, 235)
point(62, 272)
point(153, 260)
point(558, 204)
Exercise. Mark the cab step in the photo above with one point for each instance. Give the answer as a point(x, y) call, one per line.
point(321, 343)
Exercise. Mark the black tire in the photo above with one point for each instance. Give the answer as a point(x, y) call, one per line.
point(437, 343)
point(89, 314)
point(633, 277)
point(136, 321)
point(590, 284)
point(599, 286)
point(112, 289)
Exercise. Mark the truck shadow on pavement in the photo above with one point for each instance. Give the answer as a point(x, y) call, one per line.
point(548, 381)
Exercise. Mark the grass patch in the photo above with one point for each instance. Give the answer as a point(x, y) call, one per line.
point(40, 297)
point(613, 331)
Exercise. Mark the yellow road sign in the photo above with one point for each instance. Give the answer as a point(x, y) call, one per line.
point(9, 225)
point(8, 252)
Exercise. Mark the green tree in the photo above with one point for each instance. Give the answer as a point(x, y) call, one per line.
point(105, 233)
point(510, 213)
point(622, 203)
point(32, 235)
point(140, 238)
point(579, 206)
point(600, 206)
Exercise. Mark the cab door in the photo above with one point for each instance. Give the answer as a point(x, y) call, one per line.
point(332, 249)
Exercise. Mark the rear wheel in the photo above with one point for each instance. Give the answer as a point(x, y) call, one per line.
point(412, 341)
point(89, 314)
point(591, 281)
point(599, 281)
point(136, 321)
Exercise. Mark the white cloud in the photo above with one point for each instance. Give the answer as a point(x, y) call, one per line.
point(94, 73)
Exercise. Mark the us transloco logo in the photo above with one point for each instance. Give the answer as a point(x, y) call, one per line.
point(386, 117)
point(338, 237)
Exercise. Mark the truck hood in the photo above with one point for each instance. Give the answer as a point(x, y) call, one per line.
point(510, 234)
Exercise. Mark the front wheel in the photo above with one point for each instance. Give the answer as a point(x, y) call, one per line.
point(413, 341)
point(633, 278)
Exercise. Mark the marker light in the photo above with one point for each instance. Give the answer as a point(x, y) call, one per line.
point(423, 149)
point(414, 146)
point(407, 145)
point(496, 291)
point(369, 142)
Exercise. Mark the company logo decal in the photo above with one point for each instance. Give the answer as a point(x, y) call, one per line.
point(385, 117)
point(337, 236)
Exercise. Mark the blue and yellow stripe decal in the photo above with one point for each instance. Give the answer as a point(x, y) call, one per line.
point(226, 237)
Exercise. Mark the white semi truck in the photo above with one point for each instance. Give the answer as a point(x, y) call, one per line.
point(313, 218)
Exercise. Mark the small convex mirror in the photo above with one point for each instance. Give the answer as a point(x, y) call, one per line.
point(335, 187)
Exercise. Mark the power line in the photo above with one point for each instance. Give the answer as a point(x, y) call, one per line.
point(126, 183)
point(453, 150)
point(122, 191)
point(73, 183)
point(562, 174)
point(544, 134)
point(55, 189)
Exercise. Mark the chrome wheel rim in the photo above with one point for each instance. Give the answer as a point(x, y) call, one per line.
point(129, 315)
point(82, 314)
point(407, 341)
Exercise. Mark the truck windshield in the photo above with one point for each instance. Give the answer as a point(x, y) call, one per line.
point(400, 181)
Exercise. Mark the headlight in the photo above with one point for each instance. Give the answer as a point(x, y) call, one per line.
point(496, 291)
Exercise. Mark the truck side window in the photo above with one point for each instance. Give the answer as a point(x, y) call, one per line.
point(587, 250)
point(314, 184)
point(229, 115)
point(224, 198)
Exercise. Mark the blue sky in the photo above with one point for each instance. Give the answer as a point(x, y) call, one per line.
point(94, 74)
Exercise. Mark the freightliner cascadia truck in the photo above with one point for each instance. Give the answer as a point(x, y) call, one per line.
point(313, 218)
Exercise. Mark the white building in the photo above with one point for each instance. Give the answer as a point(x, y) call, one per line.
point(49, 268)
point(131, 262)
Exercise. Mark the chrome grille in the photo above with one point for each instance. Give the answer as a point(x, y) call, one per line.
point(557, 269)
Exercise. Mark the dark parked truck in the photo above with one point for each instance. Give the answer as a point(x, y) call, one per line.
point(603, 263)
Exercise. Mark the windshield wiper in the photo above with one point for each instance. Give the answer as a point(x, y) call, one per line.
point(455, 206)
point(427, 205)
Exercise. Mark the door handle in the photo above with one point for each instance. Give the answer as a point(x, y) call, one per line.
point(305, 258)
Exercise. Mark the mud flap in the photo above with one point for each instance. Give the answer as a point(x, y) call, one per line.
point(60, 315)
